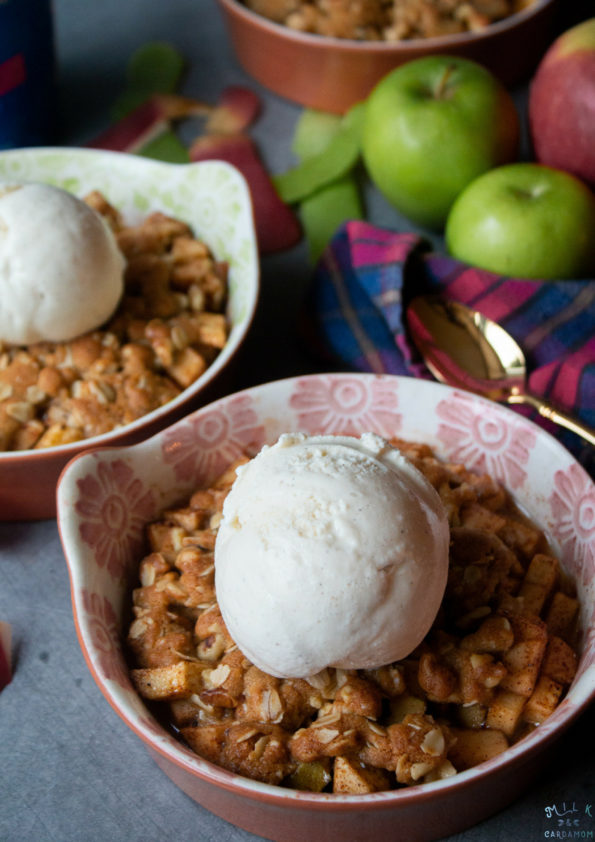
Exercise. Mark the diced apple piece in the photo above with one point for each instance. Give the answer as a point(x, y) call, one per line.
point(476, 516)
point(561, 614)
point(543, 570)
point(472, 747)
point(206, 740)
point(539, 582)
point(187, 367)
point(440, 773)
point(172, 682)
point(184, 712)
point(165, 539)
point(353, 778)
point(313, 777)
point(521, 537)
point(472, 716)
point(523, 659)
point(533, 596)
point(523, 662)
point(559, 661)
point(504, 713)
point(495, 634)
point(404, 704)
point(544, 700)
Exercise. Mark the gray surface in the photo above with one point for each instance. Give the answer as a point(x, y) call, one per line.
point(70, 769)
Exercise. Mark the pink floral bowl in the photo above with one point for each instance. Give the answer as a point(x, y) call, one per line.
point(213, 198)
point(105, 497)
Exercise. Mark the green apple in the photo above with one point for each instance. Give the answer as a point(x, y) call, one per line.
point(433, 125)
point(526, 220)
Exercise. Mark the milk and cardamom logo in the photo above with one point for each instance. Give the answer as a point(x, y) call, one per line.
point(569, 820)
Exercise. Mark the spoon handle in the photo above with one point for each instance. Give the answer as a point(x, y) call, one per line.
point(555, 415)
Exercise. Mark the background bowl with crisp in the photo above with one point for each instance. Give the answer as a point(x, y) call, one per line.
point(213, 198)
point(331, 74)
point(105, 497)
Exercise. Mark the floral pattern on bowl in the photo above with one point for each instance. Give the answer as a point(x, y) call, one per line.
point(552, 488)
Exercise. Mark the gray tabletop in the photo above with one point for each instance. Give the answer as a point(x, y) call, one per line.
point(70, 769)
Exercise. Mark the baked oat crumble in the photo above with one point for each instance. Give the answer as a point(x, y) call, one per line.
point(499, 658)
point(386, 20)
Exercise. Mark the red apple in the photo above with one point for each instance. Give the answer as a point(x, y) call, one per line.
point(562, 103)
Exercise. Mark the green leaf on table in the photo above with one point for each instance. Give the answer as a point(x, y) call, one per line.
point(354, 118)
point(154, 68)
point(338, 200)
point(335, 160)
point(166, 147)
point(313, 132)
point(323, 212)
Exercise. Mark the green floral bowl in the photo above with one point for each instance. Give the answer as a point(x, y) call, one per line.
point(213, 198)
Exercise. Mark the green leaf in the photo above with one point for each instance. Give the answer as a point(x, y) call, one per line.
point(354, 118)
point(324, 211)
point(166, 147)
point(157, 65)
point(336, 159)
point(313, 173)
point(313, 132)
point(155, 68)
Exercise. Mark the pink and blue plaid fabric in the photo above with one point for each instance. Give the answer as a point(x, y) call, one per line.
point(366, 277)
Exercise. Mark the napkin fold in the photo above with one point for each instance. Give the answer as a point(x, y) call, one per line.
point(355, 317)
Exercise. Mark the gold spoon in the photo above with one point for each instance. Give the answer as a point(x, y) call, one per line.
point(463, 348)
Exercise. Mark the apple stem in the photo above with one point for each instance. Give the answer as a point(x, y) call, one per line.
point(528, 193)
point(440, 91)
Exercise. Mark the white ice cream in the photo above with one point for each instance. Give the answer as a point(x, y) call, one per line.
point(61, 272)
point(332, 551)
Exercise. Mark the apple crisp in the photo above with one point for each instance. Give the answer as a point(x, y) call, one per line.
point(497, 661)
point(168, 328)
point(386, 20)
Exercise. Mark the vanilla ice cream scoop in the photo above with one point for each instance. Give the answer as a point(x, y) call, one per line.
point(61, 272)
point(332, 551)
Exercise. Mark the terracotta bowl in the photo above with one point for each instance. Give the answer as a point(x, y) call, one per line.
point(105, 497)
point(332, 74)
point(213, 198)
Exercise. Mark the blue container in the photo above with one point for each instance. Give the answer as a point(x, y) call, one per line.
point(27, 73)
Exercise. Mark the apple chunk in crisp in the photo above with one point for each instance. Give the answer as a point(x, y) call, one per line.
point(494, 665)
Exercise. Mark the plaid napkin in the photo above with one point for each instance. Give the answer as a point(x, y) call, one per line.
point(354, 317)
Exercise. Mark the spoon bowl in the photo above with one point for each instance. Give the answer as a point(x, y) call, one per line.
point(465, 349)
